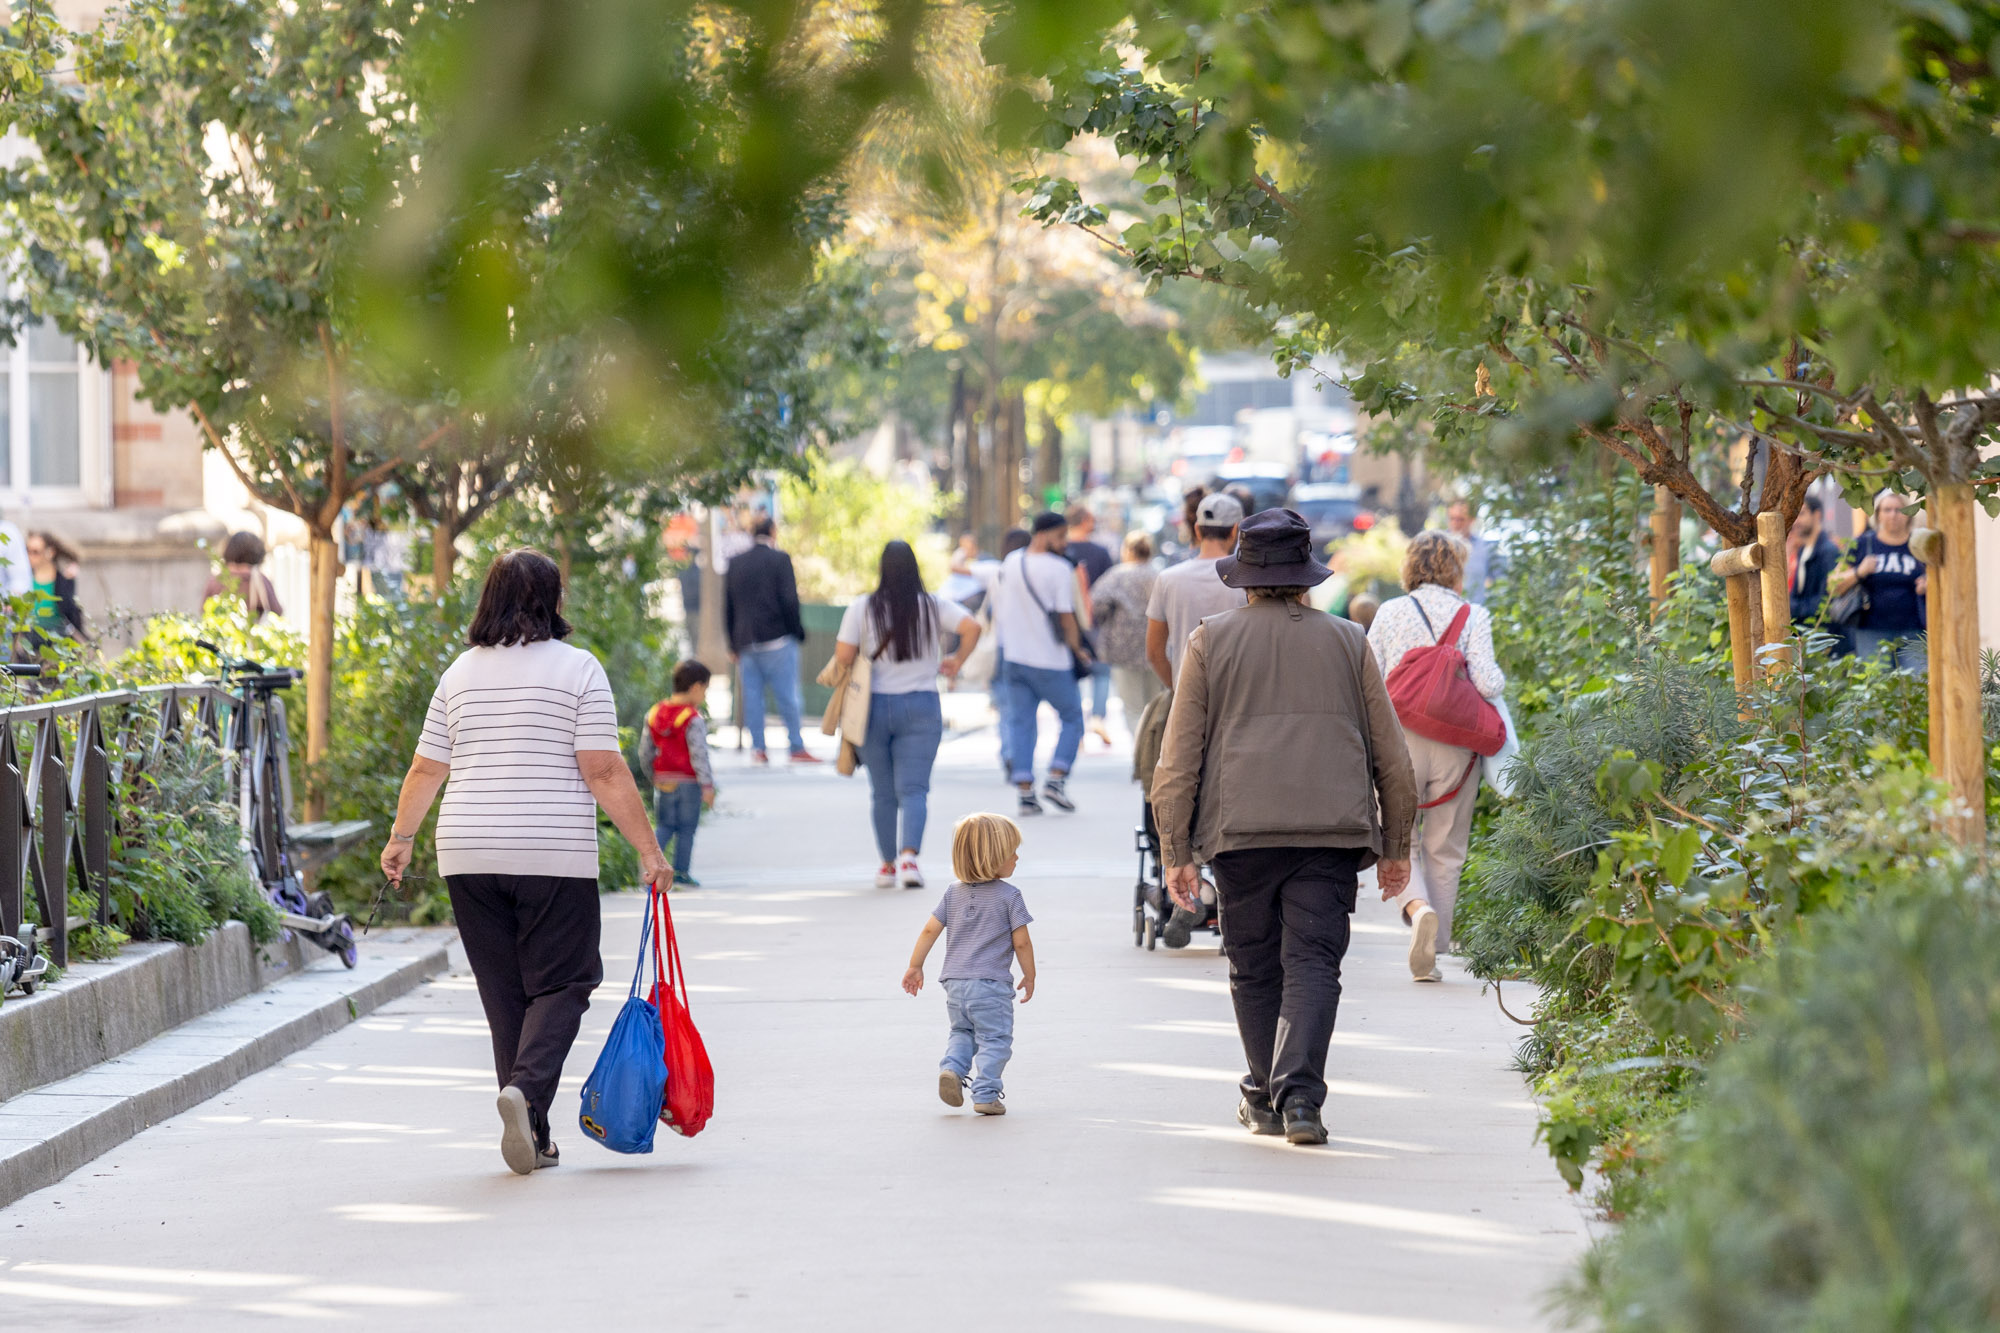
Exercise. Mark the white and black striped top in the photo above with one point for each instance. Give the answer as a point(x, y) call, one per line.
point(510, 722)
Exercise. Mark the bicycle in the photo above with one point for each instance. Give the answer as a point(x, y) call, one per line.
point(260, 742)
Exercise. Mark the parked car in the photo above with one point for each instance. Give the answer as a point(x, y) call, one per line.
point(1333, 508)
point(1268, 483)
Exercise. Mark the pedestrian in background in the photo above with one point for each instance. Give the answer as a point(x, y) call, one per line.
point(1283, 770)
point(1190, 590)
point(902, 628)
point(1484, 561)
point(1895, 583)
point(1034, 613)
point(673, 748)
point(761, 608)
point(524, 728)
point(984, 921)
point(243, 576)
point(1447, 776)
point(1092, 561)
point(1810, 559)
point(1120, 599)
point(55, 565)
point(1014, 539)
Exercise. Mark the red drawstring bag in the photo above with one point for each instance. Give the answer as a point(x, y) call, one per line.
point(690, 1097)
point(1435, 697)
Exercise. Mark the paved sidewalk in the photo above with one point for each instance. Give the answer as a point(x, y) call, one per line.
point(360, 1181)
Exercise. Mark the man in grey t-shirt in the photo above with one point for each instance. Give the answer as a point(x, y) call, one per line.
point(1187, 592)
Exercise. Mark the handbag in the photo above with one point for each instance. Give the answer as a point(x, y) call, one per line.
point(1850, 608)
point(628, 1084)
point(847, 710)
point(690, 1091)
point(1497, 768)
point(1079, 662)
point(1434, 695)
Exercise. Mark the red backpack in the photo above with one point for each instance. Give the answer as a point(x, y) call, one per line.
point(1435, 697)
point(668, 725)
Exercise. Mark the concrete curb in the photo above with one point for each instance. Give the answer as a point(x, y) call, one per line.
point(50, 1132)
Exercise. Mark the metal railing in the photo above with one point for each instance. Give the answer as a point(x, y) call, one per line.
point(56, 807)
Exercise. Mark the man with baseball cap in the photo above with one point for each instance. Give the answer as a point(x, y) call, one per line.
point(1190, 590)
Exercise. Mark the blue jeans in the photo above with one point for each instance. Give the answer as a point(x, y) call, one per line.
point(675, 815)
point(1907, 650)
point(1100, 689)
point(982, 1025)
point(902, 744)
point(778, 670)
point(1028, 688)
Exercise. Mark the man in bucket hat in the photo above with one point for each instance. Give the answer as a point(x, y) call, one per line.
point(1284, 771)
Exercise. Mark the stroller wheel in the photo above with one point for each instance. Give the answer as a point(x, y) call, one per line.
point(1138, 925)
point(1151, 932)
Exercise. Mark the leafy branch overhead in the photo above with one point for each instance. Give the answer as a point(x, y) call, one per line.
point(1538, 227)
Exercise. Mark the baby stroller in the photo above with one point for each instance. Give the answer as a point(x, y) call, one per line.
point(1152, 907)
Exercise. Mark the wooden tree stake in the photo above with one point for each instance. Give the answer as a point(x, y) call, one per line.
point(1736, 567)
point(1775, 652)
point(1954, 610)
point(1927, 544)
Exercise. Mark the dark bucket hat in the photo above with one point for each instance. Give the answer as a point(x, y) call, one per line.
point(1273, 550)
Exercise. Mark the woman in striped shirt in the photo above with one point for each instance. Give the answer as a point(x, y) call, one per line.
point(524, 727)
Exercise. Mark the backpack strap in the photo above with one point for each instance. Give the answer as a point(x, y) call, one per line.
point(1450, 638)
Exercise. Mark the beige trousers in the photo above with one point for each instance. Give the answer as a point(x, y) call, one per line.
point(1442, 835)
point(1136, 687)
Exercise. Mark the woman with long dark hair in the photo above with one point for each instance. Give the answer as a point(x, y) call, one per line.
point(901, 628)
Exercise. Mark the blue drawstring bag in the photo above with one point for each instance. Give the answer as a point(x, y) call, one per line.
point(627, 1086)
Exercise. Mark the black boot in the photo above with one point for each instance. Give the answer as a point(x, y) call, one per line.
point(1302, 1124)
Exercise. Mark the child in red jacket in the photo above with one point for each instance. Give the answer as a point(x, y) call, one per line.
point(673, 747)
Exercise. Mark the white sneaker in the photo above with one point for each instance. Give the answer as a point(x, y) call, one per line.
point(1423, 942)
point(908, 875)
point(885, 878)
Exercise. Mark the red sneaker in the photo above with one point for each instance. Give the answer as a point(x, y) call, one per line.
point(759, 757)
point(804, 757)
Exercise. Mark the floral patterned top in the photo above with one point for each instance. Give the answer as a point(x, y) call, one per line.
point(1118, 606)
point(1399, 626)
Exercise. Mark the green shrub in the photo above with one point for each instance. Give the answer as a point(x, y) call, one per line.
point(178, 869)
point(1839, 1172)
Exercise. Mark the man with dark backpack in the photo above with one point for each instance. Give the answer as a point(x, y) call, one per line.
point(673, 749)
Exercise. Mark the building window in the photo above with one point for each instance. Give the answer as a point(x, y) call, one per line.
point(48, 417)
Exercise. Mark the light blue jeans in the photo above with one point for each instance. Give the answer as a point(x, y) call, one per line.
point(676, 814)
point(982, 1025)
point(1028, 688)
point(902, 744)
point(776, 669)
point(1907, 650)
point(1100, 689)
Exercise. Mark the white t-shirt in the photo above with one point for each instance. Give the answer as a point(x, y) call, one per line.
point(510, 722)
point(1183, 595)
point(887, 675)
point(1026, 638)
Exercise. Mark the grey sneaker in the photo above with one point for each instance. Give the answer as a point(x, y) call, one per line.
point(951, 1088)
point(1056, 792)
point(1029, 806)
point(548, 1155)
point(517, 1131)
point(989, 1108)
point(1423, 942)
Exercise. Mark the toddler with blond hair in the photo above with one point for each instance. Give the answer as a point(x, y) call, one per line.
point(985, 924)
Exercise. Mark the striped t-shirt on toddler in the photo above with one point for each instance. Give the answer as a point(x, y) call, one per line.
point(510, 722)
point(979, 922)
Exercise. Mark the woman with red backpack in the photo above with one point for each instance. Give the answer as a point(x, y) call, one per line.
point(1435, 650)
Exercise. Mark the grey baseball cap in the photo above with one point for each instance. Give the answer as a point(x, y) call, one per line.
point(1220, 510)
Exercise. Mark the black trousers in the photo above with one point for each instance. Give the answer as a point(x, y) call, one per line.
point(1285, 925)
point(532, 941)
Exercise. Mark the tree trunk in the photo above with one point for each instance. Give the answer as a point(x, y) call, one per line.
point(1954, 657)
point(319, 664)
point(1666, 550)
point(444, 556)
point(1049, 459)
